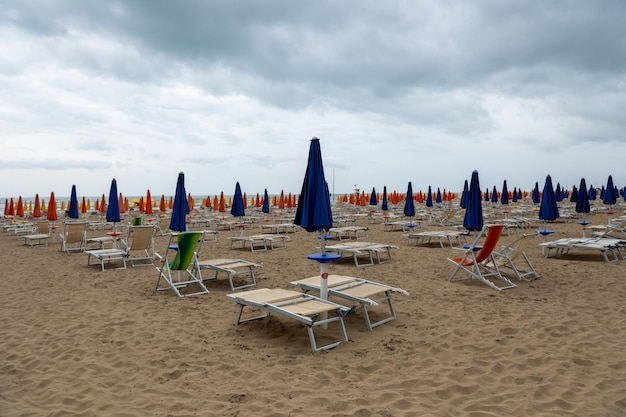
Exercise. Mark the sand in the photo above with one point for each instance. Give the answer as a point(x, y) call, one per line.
point(78, 341)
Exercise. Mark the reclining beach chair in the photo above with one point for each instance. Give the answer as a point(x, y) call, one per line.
point(367, 293)
point(294, 305)
point(40, 236)
point(74, 237)
point(508, 255)
point(232, 268)
point(140, 245)
point(610, 248)
point(478, 262)
point(181, 258)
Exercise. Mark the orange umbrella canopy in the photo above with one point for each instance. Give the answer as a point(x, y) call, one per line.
point(142, 205)
point(281, 200)
point(37, 208)
point(121, 203)
point(103, 205)
point(83, 205)
point(20, 207)
point(190, 202)
point(222, 208)
point(148, 203)
point(162, 203)
point(52, 208)
point(216, 204)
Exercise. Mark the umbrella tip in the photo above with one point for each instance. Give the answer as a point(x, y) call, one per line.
point(315, 138)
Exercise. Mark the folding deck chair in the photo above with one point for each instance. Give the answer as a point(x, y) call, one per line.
point(295, 305)
point(508, 255)
point(140, 245)
point(40, 237)
point(73, 237)
point(478, 261)
point(356, 290)
point(184, 263)
point(232, 268)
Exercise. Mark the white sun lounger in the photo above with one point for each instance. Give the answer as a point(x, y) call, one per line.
point(362, 249)
point(439, 235)
point(232, 268)
point(348, 232)
point(609, 248)
point(261, 242)
point(367, 293)
point(294, 305)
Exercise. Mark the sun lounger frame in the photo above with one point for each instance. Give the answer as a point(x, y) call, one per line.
point(604, 245)
point(232, 268)
point(106, 256)
point(259, 243)
point(363, 249)
point(440, 236)
point(293, 305)
point(356, 290)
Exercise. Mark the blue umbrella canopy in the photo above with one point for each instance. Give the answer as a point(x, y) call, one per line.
point(438, 196)
point(113, 209)
point(72, 210)
point(592, 192)
point(548, 209)
point(409, 204)
point(519, 194)
point(504, 198)
point(373, 197)
point(536, 195)
point(385, 204)
point(610, 196)
point(582, 200)
point(473, 219)
point(429, 198)
point(463, 203)
point(314, 211)
point(558, 193)
point(494, 195)
point(487, 194)
point(266, 203)
point(180, 207)
point(574, 195)
point(237, 209)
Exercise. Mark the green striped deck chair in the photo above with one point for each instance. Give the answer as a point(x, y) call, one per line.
point(177, 274)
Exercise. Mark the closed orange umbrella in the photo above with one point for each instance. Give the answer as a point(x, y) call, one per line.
point(37, 208)
point(52, 208)
point(142, 205)
point(245, 200)
point(222, 208)
point(148, 203)
point(281, 200)
point(20, 207)
point(257, 203)
point(162, 203)
point(191, 202)
point(103, 205)
point(121, 203)
point(170, 203)
point(83, 205)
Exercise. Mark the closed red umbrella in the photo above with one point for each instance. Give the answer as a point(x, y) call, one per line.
point(37, 208)
point(162, 206)
point(148, 203)
point(20, 207)
point(103, 205)
point(52, 209)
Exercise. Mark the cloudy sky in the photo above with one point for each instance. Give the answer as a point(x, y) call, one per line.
point(397, 91)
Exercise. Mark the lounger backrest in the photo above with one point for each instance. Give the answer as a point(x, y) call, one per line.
point(74, 232)
point(493, 235)
point(43, 227)
point(187, 243)
point(141, 237)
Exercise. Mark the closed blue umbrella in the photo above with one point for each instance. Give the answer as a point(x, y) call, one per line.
point(463, 203)
point(409, 204)
point(429, 198)
point(438, 199)
point(582, 200)
point(574, 195)
point(487, 194)
point(180, 206)
point(504, 198)
point(548, 210)
point(592, 192)
point(385, 204)
point(519, 194)
point(72, 210)
point(113, 209)
point(494, 195)
point(373, 197)
point(266, 203)
point(314, 210)
point(237, 209)
point(610, 195)
point(473, 219)
point(514, 195)
point(558, 193)
point(536, 195)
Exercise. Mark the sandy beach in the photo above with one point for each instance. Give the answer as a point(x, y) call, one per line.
point(79, 341)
